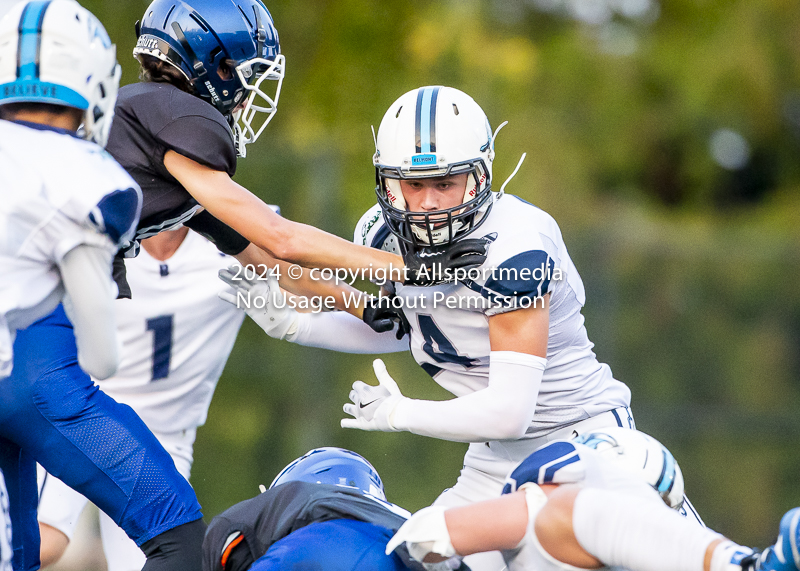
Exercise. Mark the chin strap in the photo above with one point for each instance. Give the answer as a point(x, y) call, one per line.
point(519, 164)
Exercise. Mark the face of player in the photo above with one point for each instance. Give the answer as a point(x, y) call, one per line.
point(430, 194)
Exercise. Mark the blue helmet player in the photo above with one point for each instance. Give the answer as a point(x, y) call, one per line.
point(326, 510)
point(212, 73)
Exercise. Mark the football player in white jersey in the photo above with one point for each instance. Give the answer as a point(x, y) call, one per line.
point(176, 337)
point(507, 339)
point(597, 501)
point(66, 207)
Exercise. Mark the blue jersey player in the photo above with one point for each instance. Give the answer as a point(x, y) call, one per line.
point(66, 207)
point(325, 510)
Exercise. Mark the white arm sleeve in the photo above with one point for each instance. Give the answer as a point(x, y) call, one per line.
point(501, 411)
point(86, 272)
point(340, 331)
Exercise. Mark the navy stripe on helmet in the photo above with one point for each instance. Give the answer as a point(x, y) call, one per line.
point(425, 123)
point(30, 40)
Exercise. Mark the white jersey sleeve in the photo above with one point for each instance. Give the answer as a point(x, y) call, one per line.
point(56, 192)
point(176, 336)
point(527, 258)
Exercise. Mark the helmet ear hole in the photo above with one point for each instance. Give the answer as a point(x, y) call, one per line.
point(455, 109)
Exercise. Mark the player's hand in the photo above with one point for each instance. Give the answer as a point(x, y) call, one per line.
point(372, 406)
point(425, 535)
point(382, 316)
point(437, 264)
point(268, 307)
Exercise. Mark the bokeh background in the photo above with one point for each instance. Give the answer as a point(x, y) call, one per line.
point(663, 136)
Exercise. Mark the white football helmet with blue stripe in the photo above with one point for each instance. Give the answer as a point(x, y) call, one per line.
point(642, 454)
point(57, 52)
point(431, 132)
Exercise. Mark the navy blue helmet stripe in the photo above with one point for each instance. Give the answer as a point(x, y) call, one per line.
point(425, 123)
point(30, 40)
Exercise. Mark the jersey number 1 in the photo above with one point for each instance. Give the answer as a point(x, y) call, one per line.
point(162, 345)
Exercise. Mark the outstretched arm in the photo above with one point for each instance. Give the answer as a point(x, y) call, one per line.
point(503, 410)
point(347, 298)
point(267, 305)
point(286, 240)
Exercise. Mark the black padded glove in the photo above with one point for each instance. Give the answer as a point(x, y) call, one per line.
point(381, 315)
point(436, 265)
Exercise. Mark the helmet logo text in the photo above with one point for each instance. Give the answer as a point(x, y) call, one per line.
point(147, 43)
point(423, 160)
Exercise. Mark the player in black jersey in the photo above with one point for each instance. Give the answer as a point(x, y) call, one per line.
point(325, 511)
point(205, 66)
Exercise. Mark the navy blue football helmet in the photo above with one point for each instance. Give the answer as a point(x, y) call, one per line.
point(226, 49)
point(335, 466)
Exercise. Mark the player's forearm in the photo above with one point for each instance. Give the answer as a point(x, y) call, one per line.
point(312, 247)
point(492, 525)
point(286, 240)
point(342, 332)
point(86, 272)
point(300, 281)
point(502, 411)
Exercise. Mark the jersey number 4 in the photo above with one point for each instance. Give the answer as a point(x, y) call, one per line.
point(438, 346)
point(162, 345)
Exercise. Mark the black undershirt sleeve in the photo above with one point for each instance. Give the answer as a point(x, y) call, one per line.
point(120, 275)
point(226, 239)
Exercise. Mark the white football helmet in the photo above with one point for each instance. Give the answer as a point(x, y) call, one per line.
point(57, 52)
point(642, 454)
point(431, 132)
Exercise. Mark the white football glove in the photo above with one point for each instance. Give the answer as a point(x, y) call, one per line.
point(373, 406)
point(276, 317)
point(424, 533)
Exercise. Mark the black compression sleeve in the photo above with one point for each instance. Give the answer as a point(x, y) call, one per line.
point(226, 239)
point(177, 549)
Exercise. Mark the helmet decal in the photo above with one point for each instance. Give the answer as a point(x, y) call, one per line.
point(425, 124)
point(30, 40)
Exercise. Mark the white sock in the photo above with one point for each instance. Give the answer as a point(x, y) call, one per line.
point(728, 555)
point(633, 532)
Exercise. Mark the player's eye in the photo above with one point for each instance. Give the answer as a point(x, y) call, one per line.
point(225, 71)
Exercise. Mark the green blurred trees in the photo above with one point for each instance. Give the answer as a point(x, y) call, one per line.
point(691, 269)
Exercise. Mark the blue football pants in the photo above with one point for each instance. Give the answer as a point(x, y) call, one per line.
point(52, 413)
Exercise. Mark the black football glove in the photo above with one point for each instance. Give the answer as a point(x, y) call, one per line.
point(435, 265)
point(381, 316)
